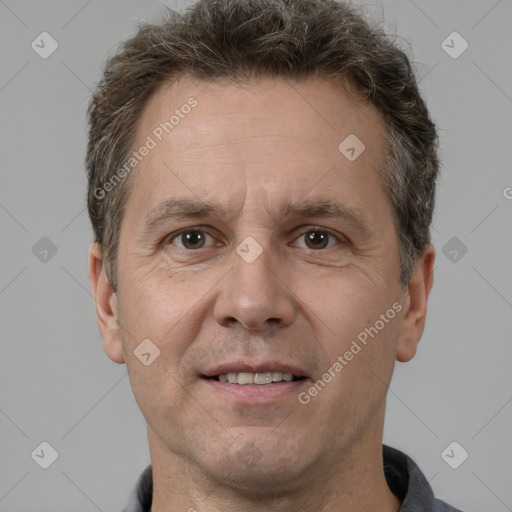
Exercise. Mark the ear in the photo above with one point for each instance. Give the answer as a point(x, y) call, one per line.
point(415, 305)
point(106, 306)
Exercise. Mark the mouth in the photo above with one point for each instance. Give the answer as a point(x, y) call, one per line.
point(250, 384)
point(256, 379)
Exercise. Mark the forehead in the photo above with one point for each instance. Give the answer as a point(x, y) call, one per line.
point(289, 137)
point(263, 107)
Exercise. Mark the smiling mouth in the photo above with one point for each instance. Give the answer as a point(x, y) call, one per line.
point(255, 379)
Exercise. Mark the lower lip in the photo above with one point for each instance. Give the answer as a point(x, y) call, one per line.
point(254, 393)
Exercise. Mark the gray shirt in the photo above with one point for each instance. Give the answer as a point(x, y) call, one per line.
point(403, 476)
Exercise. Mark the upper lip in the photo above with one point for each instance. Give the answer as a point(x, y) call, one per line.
point(244, 366)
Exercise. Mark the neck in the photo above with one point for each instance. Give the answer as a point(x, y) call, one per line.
point(350, 481)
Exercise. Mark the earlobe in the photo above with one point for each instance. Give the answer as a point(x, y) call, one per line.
point(415, 305)
point(106, 306)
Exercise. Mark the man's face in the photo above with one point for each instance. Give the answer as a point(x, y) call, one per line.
point(251, 243)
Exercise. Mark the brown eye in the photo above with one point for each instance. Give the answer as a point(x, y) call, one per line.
point(316, 239)
point(192, 239)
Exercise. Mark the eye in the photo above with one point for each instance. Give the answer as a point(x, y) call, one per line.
point(317, 239)
point(192, 239)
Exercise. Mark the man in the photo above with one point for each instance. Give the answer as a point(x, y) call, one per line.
point(261, 186)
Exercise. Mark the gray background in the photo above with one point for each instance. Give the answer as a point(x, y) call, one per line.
point(57, 385)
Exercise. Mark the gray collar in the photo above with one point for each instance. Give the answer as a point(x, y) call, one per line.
point(403, 476)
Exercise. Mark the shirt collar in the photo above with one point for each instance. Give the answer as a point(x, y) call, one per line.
point(403, 476)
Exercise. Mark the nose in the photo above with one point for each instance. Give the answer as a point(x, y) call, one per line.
point(255, 295)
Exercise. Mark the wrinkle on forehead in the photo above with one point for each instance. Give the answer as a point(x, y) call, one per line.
point(258, 145)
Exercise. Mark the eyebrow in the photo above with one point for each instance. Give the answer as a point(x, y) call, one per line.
point(353, 217)
point(172, 209)
point(181, 208)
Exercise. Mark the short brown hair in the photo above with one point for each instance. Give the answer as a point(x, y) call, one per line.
point(236, 39)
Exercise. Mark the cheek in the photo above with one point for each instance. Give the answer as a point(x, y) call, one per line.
point(153, 300)
point(144, 312)
point(164, 312)
point(357, 330)
point(342, 304)
point(167, 308)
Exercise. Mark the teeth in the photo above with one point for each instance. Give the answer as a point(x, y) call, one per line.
point(263, 378)
point(245, 378)
point(277, 376)
point(259, 379)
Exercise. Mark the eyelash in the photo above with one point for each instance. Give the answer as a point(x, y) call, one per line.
point(338, 238)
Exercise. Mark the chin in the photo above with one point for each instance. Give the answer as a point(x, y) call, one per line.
point(262, 466)
point(259, 480)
